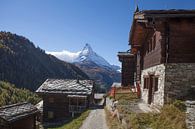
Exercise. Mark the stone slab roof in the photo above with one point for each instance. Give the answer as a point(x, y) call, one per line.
point(14, 112)
point(99, 96)
point(116, 84)
point(39, 106)
point(66, 86)
point(77, 96)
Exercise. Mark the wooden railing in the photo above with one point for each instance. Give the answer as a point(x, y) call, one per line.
point(76, 109)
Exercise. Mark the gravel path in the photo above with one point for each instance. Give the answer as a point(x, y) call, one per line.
point(95, 120)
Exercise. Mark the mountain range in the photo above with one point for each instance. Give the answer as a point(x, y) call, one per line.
point(95, 66)
point(27, 66)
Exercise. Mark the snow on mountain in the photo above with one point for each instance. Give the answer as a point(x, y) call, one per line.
point(87, 54)
point(65, 55)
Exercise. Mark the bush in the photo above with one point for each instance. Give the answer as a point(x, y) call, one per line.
point(170, 117)
point(180, 105)
point(9, 94)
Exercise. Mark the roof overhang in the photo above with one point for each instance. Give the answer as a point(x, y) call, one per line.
point(125, 56)
point(66, 87)
point(142, 20)
point(15, 112)
point(77, 96)
point(173, 13)
point(138, 33)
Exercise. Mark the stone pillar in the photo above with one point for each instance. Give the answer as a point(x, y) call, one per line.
point(128, 68)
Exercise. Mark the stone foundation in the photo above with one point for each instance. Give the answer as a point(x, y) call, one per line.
point(176, 81)
point(158, 70)
point(179, 81)
point(190, 114)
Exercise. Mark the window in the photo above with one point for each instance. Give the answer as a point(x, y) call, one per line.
point(147, 48)
point(51, 100)
point(151, 43)
point(82, 102)
point(155, 83)
point(146, 82)
point(50, 114)
point(154, 42)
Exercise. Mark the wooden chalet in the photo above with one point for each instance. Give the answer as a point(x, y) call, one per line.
point(163, 42)
point(18, 116)
point(64, 98)
point(128, 68)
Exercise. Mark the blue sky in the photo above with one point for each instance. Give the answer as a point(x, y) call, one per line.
point(56, 25)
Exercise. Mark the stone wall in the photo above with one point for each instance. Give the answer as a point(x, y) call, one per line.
point(158, 70)
point(190, 114)
point(179, 81)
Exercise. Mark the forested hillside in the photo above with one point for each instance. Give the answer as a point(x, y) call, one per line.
point(27, 66)
point(9, 94)
point(104, 77)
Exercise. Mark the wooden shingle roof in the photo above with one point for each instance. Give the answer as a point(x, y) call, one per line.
point(125, 54)
point(14, 112)
point(172, 13)
point(66, 86)
point(138, 32)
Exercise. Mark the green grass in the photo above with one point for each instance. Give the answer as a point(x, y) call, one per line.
point(170, 117)
point(9, 94)
point(112, 123)
point(74, 123)
point(126, 97)
point(1, 45)
point(123, 99)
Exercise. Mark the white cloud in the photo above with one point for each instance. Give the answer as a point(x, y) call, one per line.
point(65, 55)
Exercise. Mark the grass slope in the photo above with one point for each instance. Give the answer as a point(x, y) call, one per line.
point(75, 123)
point(171, 116)
point(9, 94)
point(112, 123)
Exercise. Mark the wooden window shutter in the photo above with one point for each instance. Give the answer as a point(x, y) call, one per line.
point(50, 114)
point(156, 84)
point(145, 83)
point(148, 82)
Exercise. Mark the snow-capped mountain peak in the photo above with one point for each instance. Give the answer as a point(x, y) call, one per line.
point(95, 66)
point(87, 54)
point(87, 50)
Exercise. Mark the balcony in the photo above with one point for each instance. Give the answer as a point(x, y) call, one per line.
point(76, 109)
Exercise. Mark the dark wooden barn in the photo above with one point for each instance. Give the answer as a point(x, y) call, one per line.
point(18, 116)
point(64, 98)
point(128, 68)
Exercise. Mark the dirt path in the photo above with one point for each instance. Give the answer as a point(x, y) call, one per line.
point(95, 120)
